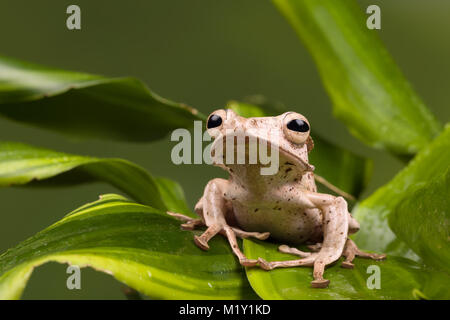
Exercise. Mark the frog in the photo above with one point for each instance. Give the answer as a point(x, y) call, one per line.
point(285, 206)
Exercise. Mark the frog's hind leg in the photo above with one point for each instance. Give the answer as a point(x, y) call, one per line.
point(335, 230)
point(243, 260)
point(351, 251)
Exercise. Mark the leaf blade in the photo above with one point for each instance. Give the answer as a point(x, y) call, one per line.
point(422, 221)
point(368, 91)
point(138, 245)
point(374, 211)
point(87, 106)
point(22, 164)
point(400, 278)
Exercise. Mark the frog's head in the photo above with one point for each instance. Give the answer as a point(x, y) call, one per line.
point(287, 134)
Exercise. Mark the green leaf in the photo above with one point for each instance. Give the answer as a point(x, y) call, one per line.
point(369, 93)
point(400, 278)
point(21, 164)
point(138, 245)
point(422, 220)
point(373, 212)
point(87, 105)
point(173, 196)
point(257, 107)
point(343, 168)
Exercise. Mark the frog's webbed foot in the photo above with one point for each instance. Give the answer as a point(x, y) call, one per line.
point(351, 251)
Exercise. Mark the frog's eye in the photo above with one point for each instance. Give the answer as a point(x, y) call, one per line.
point(214, 121)
point(298, 125)
point(295, 128)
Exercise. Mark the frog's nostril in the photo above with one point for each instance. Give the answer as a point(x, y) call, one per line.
point(214, 121)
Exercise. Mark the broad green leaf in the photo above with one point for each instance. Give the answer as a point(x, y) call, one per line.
point(422, 220)
point(138, 245)
point(341, 167)
point(400, 278)
point(373, 212)
point(369, 93)
point(173, 196)
point(256, 107)
point(21, 164)
point(87, 105)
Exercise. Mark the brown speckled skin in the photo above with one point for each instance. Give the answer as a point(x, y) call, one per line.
point(273, 203)
point(285, 204)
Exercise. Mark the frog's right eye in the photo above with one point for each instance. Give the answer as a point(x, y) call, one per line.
point(296, 128)
point(214, 121)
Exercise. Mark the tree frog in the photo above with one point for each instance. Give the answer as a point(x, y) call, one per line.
point(285, 206)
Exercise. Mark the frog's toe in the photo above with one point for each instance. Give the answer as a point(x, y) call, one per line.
point(192, 224)
point(179, 216)
point(347, 265)
point(264, 264)
point(351, 250)
point(244, 234)
point(320, 283)
point(376, 256)
point(201, 243)
point(248, 262)
point(286, 249)
point(263, 236)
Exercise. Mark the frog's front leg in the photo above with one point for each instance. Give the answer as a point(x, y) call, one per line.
point(214, 210)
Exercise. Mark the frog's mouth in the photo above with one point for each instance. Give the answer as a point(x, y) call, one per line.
point(251, 143)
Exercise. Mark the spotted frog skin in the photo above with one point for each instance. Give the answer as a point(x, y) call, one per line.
point(285, 206)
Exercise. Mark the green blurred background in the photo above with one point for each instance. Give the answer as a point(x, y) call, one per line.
point(204, 53)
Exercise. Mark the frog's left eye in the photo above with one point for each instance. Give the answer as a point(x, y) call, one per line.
point(296, 128)
point(298, 125)
point(214, 121)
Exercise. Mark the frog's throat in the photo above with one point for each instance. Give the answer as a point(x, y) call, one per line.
point(286, 153)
